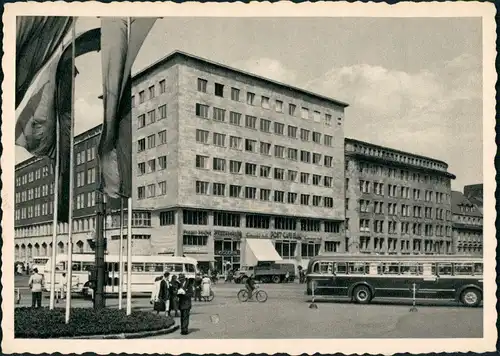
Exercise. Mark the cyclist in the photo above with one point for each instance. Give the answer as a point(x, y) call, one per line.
point(250, 285)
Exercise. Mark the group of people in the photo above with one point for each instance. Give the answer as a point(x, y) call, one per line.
point(172, 295)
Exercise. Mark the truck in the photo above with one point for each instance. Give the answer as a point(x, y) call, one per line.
point(266, 272)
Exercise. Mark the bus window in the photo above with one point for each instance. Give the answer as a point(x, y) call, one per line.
point(189, 268)
point(150, 267)
point(478, 269)
point(409, 269)
point(174, 267)
point(391, 268)
point(137, 267)
point(87, 266)
point(444, 269)
point(428, 269)
point(326, 268)
point(76, 266)
point(462, 269)
point(315, 267)
point(374, 268)
point(357, 267)
point(341, 268)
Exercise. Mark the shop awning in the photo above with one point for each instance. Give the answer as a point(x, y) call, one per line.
point(260, 250)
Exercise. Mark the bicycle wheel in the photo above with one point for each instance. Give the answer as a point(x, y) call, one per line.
point(211, 297)
point(243, 295)
point(261, 296)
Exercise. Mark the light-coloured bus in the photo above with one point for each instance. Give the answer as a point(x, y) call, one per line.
point(144, 270)
point(39, 262)
point(364, 277)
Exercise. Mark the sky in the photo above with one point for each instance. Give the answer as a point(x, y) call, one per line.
point(413, 84)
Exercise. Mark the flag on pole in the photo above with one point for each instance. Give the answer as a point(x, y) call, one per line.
point(46, 100)
point(120, 46)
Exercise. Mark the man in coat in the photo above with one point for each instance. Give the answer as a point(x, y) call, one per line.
point(164, 294)
point(185, 293)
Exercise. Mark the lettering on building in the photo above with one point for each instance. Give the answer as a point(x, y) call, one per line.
point(197, 232)
point(251, 235)
point(232, 234)
point(286, 235)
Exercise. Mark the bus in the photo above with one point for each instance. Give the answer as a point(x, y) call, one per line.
point(361, 278)
point(39, 263)
point(144, 271)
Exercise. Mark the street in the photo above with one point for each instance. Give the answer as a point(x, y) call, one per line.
point(286, 314)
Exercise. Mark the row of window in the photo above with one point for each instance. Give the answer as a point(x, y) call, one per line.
point(151, 118)
point(86, 155)
point(44, 249)
point(374, 169)
point(264, 148)
point(405, 227)
point(265, 102)
point(264, 125)
point(35, 211)
point(90, 174)
point(466, 236)
point(150, 191)
point(151, 142)
point(377, 188)
point(85, 200)
point(151, 92)
point(34, 193)
point(35, 175)
point(391, 245)
point(377, 207)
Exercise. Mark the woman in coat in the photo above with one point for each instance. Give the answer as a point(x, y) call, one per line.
point(156, 292)
point(205, 287)
point(174, 299)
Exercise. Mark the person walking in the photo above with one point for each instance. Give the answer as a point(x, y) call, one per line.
point(205, 287)
point(60, 289)
point(155, 293)
point(197, 287)
point(185, 292)
point(174, 299)
point(163, 295)
point(36, 285)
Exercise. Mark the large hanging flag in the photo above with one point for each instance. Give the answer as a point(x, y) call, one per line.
point(37, 39)
point(120, 46)
point(47, 100)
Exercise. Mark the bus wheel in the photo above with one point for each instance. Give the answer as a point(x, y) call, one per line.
point(470, 297)
point(362, 294)
point(276, 279)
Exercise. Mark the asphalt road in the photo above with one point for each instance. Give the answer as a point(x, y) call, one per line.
point(286, 314)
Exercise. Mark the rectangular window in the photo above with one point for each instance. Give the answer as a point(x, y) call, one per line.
point(328, 161)
point(162, 137)
point(202, 85)
point(235, 167)
point(304, 178)
point(151, 165)
point(162, 188)
point(292, 175)
point(202, 111)
point(265, 148)
point(227, 219)
point(279, 196)
point(317, 116)
point(151, 92)
point(279, 173)
point(304, 134)
point(250, 98)
point(219, 139)
point(328, 119)
point(202, 136)
point(235, 94)
point(292, 154)
point(265, 194)
point(141, 192)
point(251, 122)
point(279, 151)
point(304, 113)
point(201, 187)
point(250, 169)
point(265, 125)
point(316, 200)
point(162, 110)
point(235, 191)
point(235, 118)
point(219, 90)
point(292, 131)
point(316, 158)
point(291, 109)
point(163, 86)
point(151, 190)
point(151, 116)
point(235, 142)
point(162, 162)
point(219, 164)
point(151, 141)
point(328, 201)
point(279, 128)
point(167, 218)
point(219, 114)
point(316, 179)
point(201, 161)
point(328, 140)
point(316, 137)
point(142, 97)
point(304, 199)
point(219, 189)
point(265, 102)
point(250, 145)
point(291, 198)
point(250, 192)
point(141, 121)
point(279, 106)
point(141, 169)
point(305, 156)
point(256, 221)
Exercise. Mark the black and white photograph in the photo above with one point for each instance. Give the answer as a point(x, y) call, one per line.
point(282, 177)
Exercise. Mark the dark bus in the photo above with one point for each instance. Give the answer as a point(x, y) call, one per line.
point(364, 277)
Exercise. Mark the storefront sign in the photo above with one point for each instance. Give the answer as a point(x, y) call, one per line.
point(286, 235)
point(197, 232)
point(232, 234)
point(251, 235)
point(226, 253)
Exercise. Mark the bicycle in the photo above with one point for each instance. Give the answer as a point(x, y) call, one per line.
point(259, 294)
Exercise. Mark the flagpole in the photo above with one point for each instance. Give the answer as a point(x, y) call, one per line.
point(54, 222)
point(71, 180)
point(120, 260)
point(129, 222)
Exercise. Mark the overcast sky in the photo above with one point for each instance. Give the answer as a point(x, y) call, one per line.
point(414, 84)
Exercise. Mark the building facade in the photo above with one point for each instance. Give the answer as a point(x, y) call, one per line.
point(467, 225)
point(396, 202)
point(474, 193)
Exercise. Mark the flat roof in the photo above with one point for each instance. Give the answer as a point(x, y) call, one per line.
point(179, 54)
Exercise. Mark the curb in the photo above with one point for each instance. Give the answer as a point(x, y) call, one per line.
point(137, 335)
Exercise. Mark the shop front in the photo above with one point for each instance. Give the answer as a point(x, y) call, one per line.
point(227, 250)
point(195, 244)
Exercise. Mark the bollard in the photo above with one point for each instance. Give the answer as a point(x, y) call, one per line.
point(313, 304)
point(414, 290)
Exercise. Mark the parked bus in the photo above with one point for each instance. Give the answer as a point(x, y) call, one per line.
point(144, 271)
point(38, 262)
point(364, 277)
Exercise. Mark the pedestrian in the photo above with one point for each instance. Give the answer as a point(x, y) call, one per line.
point(36, 285)
point(185, 292)
point(174, 299)
point(205, 287)
point(60, 288)
point(164, 293)
point(27, 269)
point(155, 292)
point(197, 287)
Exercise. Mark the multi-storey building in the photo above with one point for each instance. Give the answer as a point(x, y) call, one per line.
point(467, 225)
point(221, 156)
point(474, 193)
point(396, 202)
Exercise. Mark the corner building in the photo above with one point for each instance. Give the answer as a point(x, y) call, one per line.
point(224, 156)
point(396, 202)
point(467, 224)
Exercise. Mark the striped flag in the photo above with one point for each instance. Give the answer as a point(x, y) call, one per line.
point(120, 46)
